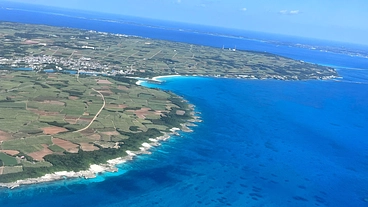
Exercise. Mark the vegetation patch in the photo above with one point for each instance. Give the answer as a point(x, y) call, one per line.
point(7, 160)
point(66, 145)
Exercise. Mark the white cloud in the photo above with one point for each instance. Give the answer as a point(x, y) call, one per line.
point(294, 12)
point(291, 12)
point(243, 9)
point(178, 1)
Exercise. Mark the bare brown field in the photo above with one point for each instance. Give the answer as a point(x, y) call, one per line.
point(73, 97)
point(7, 76)
point(88, 132)
point(91, 134)
point(41, 154)
point(88, 147)
point(68, 146)
point(71, 117)
point(116, 106)
point(141, 113)
point(4, 136)
point(31, 42)
point(94, 137)
point(99, 81)
point(52, 76)
point(111, 133)
point(71, 121)
point(53, 130)
point(10, 152)
point(123, 88)
point(180, 112)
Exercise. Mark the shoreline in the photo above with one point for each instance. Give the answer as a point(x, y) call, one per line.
point(155, 79)
point(110, 165)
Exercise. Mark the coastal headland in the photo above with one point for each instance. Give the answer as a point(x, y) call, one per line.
point(55, 125)
point(71, 107)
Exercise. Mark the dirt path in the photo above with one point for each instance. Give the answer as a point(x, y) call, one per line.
point(71, 55)
point(98, 113)
point(155, 54)
point(55, 52)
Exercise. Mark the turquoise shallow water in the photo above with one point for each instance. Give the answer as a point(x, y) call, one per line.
point(284, 143)
point(262, 143)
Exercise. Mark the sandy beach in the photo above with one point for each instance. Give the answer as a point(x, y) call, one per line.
point(156, 78)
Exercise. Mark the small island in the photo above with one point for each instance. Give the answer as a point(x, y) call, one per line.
point(70, 105)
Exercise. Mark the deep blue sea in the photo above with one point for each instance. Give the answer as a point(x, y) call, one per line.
point(261, 142)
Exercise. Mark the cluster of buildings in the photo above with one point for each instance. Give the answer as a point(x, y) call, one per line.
point(45, 62)
point(50, 62)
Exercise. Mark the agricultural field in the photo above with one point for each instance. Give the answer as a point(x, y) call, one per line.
point(68, 99)
point(48, 117)
point(44, 47)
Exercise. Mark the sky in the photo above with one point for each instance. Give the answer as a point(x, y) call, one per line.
point(338, 20)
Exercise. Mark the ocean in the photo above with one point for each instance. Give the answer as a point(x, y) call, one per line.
point(261, 142)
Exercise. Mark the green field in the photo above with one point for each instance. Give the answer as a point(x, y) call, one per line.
point(7, 160)
point(46, 118)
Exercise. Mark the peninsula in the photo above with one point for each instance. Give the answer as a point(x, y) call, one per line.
point(70, 105)
point(41, 47)
point(51, 122)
